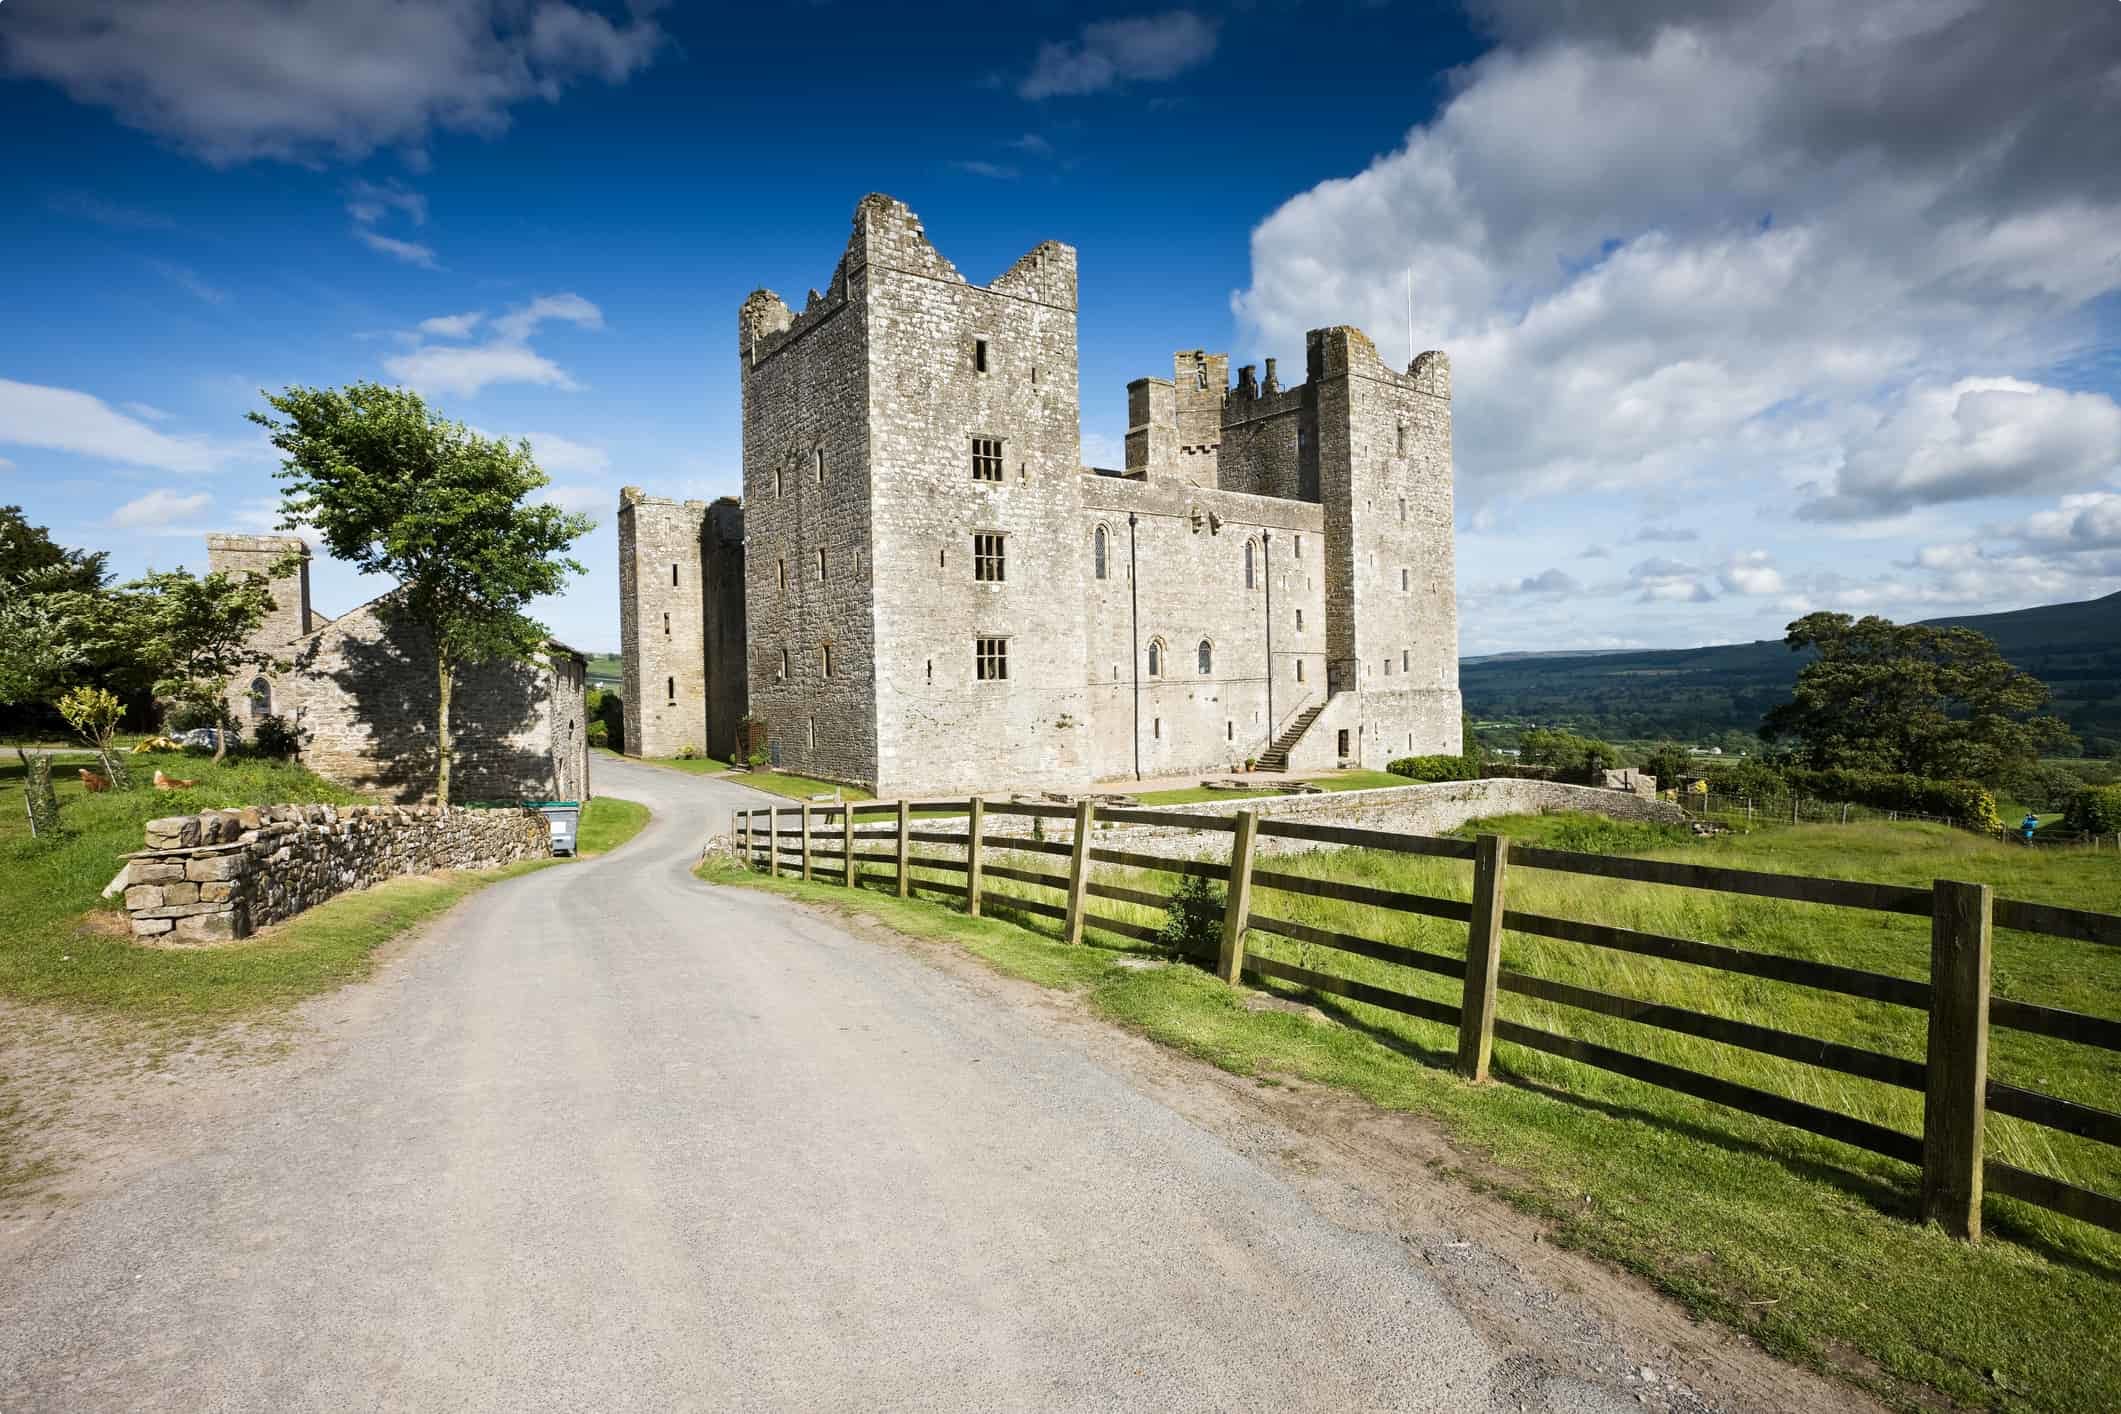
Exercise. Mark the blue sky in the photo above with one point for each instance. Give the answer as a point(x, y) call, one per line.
point(1751, 313)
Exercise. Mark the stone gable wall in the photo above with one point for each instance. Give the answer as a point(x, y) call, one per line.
point(223, 874)
point(362, 691)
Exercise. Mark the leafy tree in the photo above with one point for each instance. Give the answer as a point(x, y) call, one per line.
point(95, 712)
point(399, 490)
point(1926, 701)
point(27, 552)
point(1670, 763)
point(192, 634)
point(1566, 751)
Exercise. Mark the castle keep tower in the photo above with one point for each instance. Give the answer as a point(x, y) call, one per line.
point(925, 590)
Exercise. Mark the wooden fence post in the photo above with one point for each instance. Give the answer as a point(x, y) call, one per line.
point(1476, 1018)
point(847, 843)
point(773, 840)
point(905, 882)
point(806, 841)
point(745, 817)
point(1955, 1105)
point(1237, 903)
point(1079, 869)
point(972, 855)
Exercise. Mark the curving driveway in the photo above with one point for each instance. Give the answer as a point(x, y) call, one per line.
point(608, 1139)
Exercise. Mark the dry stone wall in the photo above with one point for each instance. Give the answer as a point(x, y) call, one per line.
point(1427, 809)
point(222, 874)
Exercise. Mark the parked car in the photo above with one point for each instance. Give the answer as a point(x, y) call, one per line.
point(199, 738)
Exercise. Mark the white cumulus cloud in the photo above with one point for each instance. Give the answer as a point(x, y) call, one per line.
point(158, 510)
point(305, 80)
point(1111, 52)
point(411, 252)
point(505, 357)
point(67, 420)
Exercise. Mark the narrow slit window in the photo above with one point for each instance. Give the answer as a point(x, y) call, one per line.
point(1404, 581)
point(1299, 670)
point(1248, 565)
point(1229, 731)
point(824, 659)
point(820, 455)
point(979, 355)
point(1158, 729)
point(1098, 547)
point(986, 458)
point(1299, 547)
point(673, 574)
point(810, 734)
point(670, 689)
point(780, 574)
point(821, 564)
point(991, 659)
point(988, 564)
point(1299, 621)
point(1404, 658)
point(783, 676)
point(666, 625)
point(1402, 439)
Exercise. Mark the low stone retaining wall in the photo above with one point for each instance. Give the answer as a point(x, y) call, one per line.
point(1415, 809)
point(222, 874)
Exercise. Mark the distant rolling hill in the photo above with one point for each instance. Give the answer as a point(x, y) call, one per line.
point(1704, 692)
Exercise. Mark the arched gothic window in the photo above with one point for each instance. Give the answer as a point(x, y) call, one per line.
point(1207, 657)
point(1156, 657)
point(1248, 565)
point(260, 698)
point(1098, 546)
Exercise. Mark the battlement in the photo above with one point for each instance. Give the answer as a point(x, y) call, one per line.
point(1346, 351)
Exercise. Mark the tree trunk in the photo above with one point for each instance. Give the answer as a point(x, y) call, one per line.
point(113, 765)
point(443, 674)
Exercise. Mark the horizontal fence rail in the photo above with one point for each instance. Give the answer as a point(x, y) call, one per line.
point(831, 839)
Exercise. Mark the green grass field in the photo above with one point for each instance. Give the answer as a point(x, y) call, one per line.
point(65, 944)
point(1804, 1243)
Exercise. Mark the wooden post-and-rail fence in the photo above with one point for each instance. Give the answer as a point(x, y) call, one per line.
point(1953, 1077)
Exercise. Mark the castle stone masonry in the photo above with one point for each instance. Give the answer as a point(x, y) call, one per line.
point(924, 589)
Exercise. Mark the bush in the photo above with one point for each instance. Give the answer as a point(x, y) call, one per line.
point(1967, 802)
point(275, 738)
point(2096, 810)
point(1436, 768)
point(1581, 757)
point(1193, 921)
point(599, 734)
point(2045, 787)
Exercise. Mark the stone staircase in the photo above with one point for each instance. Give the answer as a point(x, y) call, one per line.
point(1276, 757)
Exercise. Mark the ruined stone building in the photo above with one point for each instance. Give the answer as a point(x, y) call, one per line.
point(925, 589)
point(361, 689)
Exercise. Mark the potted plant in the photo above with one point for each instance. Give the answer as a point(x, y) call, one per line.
point(1250, 762)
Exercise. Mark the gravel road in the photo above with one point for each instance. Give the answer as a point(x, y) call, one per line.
point(607, 1139)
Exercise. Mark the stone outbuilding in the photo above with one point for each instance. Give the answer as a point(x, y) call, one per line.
point(360, 689)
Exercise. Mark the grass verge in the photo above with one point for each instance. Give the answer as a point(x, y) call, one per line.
point(1800, 1242)
point(608, 822)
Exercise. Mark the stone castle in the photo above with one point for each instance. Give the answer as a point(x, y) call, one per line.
point(360, 688)
point(924, 589)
